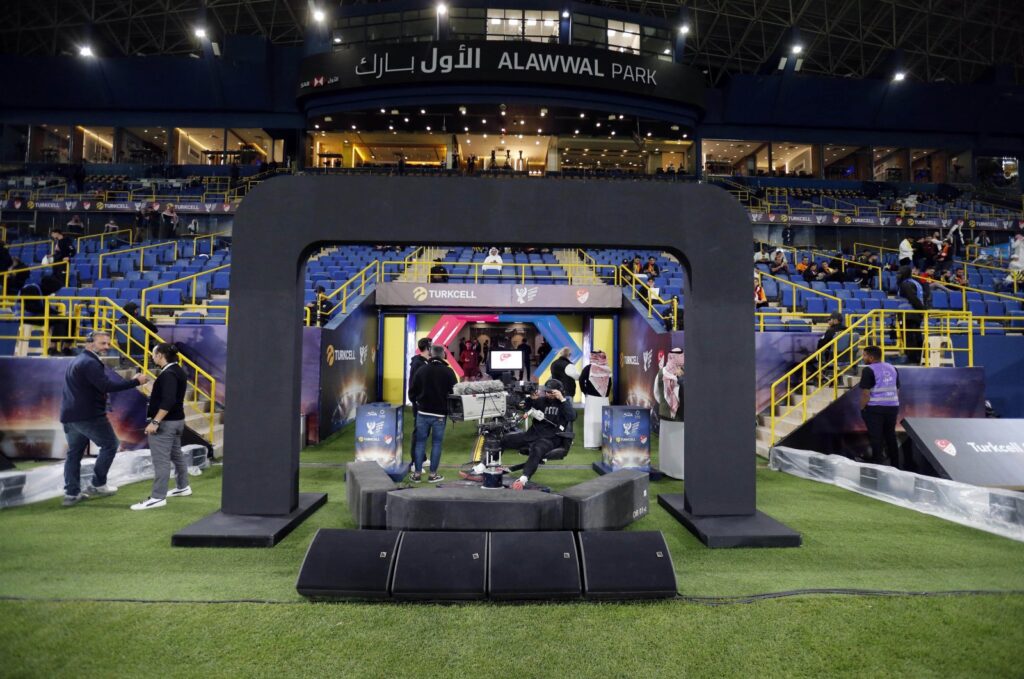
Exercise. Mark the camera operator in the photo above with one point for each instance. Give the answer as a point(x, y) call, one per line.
point(552, 414)
point(429, 390)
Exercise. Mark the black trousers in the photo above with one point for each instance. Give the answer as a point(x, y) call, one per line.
point(881, 423)
point(536, 445)
point(914, 338)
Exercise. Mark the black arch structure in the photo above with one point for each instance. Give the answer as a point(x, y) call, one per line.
point(283, 221)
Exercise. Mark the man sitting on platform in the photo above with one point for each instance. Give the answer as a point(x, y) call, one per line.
point(552, 415)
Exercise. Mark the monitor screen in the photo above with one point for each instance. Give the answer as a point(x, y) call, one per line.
point(506, 359)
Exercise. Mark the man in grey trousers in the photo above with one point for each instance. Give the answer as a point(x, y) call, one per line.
point(166, 423)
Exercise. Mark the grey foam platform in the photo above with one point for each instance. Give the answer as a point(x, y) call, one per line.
point(367, 485)
point(239, 530)
point(475, 509)
point(607, 502)
point(752, 530)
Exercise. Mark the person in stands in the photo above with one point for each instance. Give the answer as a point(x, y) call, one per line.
point(779, 264)
point(760, 298)
point(651, 268)
point(919, 297)
point(879, 406)
point(492, 263)
point(438, 274)
point(63, 247)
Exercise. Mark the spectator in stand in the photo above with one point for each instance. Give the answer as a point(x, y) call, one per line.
point(944, 257)
point(930, 246)
point(438, 274)
point(1017, 247)
point(430, 389)
point(803, 264)
point(906, 252)
point(812, 273)
point(168, 222)
point(920, 298)
point(960, 277)
point(983, 240)
point(75, 227)
point(5, 257)
point(63, 247)
point(761, 256)
point(1014, 277)
point(15, 281)
point(928, 278)
point(760, 298)
point(636, 266)
point(132, 309)
point(787, 235)
point(779, 264)
point(492, 263)
point(110, 226)
point(152, 220)
point(320, 308)
point(651, 268)
point(826, 272)
point(955, 238)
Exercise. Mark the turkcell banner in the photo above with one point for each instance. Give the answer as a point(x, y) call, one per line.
point(496, 62)
point(348, 368)
point(30, 395)
point(379, 436)
point(626, 437)
point(980, 451)
point(499, 296)
point(72, 205)
point(838, 219)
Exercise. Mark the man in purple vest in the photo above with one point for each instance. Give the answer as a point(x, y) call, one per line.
point(879, 405)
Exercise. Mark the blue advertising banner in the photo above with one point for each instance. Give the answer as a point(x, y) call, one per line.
point(30, 395)
point(348, 368)
point(625, 437)
point(379, 436)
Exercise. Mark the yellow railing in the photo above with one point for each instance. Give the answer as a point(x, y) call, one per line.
point(353, 287)
point(140, 249)
point(420, 271)
point(108, 234)
point(129, 337)
point(5, 275)
point(210, 236)
point(48, 241)
point(190, 277)
point(956, 263)
point(820, 373)
point(843, 262)
point(775, 319)
point(155, 310)
point(802, 288)
point(647, 296)
point(964, 289)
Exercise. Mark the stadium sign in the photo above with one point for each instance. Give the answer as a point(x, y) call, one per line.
point(500, 296)
point(977, 450)
point(72, 205)
point(487, 63)
point(904, 222)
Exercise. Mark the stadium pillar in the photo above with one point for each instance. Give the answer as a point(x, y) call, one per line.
point(260, 501)
point(698, 157)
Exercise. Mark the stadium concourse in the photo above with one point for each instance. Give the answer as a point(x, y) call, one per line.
point(482, 276)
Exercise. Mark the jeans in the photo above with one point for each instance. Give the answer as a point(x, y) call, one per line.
point(427, 426)
point(99, 431)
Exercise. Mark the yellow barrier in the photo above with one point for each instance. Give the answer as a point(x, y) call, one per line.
point(956, 263)
point(190, 277)
point(420, 271)
point(351, 288)
point(140, 249)
point(35, 267)
point(210, 236)
point(155, 310)
point(108, 234)
point(634, 282)
point(803, 288)
point(820, 372)
point(775, 319)
point(843, 262)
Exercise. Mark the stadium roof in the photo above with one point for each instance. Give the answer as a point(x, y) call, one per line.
point(931, 40)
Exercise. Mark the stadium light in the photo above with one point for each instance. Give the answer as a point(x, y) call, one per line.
point(565, 14)
point(319, 16)
point(337, 40)
point(899, 77)
point(85, 51)
point(200, 32)
point(442, 9)
point(684, 29)
point(797, 49)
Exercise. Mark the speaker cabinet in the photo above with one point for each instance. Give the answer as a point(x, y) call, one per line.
point(348, 564)
point(534, 565)
point(626, 565)
point(441, 566)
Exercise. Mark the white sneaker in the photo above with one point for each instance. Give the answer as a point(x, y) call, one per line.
point(180, 492)
point(149, 503)
point(99, 491)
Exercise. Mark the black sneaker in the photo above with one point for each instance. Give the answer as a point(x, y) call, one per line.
point(434, 478)
point(416, 477)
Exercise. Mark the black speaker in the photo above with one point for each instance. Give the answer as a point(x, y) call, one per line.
point(441, 566)
point(534, 565)
point(626, 565)
point(348, 564)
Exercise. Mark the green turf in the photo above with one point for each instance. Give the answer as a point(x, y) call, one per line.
point(100, 550)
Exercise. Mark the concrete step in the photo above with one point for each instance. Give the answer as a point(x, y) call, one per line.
point(762, 449)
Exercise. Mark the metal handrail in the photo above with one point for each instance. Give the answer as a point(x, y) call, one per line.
point(633, 281)
point(154, 310)
point(67, 273)
point(107, 234)
point(839, 258)
point(192, 277)
point(804, 288)
point(211, 236)
point(421, 270)
point(140, 249)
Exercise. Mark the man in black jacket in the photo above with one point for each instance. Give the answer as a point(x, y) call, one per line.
point(565, 372)
point(920, 298)
point(429, 390)
point(553, 416)
point(63, 247)
point(415, 363)
point(83, 412)
point(166, 415)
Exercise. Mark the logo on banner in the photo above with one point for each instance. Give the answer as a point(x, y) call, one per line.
point(17, 204)
point(946, 222)
point(910, 221)
point(582, 295)
point(330, 355)
point(771, 218)
point(388, 438)
point(946, 446)
point(899, 221)
point(525, 295)
point(31, 205)
point(630, 428)
point(819, 218)
point(318, 81)
point(374, 428)
point(86, 205)
point(835, 219)
point(99, 206)
point(419, 294)
point(643, 439)
point(846, 219)
point(648, 355)
point(972, 223)
point(69, 204)
point(363, 351)
point(334, 355)
point(629, 360)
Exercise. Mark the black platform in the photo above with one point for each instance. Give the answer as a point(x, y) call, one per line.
point(237, 530)
point(473, 509)
point(755, 530)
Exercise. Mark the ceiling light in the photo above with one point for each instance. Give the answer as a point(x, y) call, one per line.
point(495, 21)
point(337, 40)
point(899, 76)
point(796, 49)
point(531, 22)
point(319, 16)
point(85, 51)
point(576, 132)
point(685, 135)
point(200, 32)
point(353, 127)
point(316, 126)
point(667, 50)
point(423, 111)
point(522, 122)
point(684, 29)
point(382, 111)
point(391, 127)
point(543, 112)
point(442, 9)
point(462, 110)
point(502, 113)
point(565, 14)
point(599, 124)
point(405, 119)
point(465, 129)
point(428, 128)
point(621, 116)
point(648, 134)
point(540, 131)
